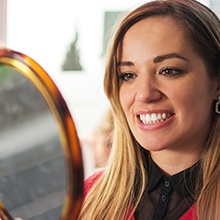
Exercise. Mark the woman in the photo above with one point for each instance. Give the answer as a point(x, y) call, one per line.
point(162, 79)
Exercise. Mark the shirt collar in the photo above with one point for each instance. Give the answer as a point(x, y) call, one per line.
point(182, 182)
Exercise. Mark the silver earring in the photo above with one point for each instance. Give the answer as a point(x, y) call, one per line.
point(217, 106)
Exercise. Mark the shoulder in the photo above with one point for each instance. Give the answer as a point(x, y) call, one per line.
point(190, 214)
point(90, 181)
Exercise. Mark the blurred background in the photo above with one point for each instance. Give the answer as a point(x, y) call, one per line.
point(65, 34)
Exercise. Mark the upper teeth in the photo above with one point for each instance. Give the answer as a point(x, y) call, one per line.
point(154, 117)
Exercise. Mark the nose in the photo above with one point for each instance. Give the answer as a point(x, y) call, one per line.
point(148, 90)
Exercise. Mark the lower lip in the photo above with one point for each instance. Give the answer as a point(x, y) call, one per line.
point(155, 126)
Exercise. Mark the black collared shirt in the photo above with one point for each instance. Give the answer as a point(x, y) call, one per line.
point(167, 197)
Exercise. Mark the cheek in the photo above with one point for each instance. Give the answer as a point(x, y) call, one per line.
point(125, 99)
point(196, 100)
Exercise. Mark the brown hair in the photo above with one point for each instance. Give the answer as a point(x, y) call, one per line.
point(121, 185)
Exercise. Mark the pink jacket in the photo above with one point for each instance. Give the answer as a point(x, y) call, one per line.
point(189, 215)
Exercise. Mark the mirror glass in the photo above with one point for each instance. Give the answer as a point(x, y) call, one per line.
point(32, 167)
point(39, 175)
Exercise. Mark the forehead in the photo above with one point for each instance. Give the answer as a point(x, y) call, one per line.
point(155, 34)
point(156, 26)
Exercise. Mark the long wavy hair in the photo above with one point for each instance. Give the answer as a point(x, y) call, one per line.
point(116, 194)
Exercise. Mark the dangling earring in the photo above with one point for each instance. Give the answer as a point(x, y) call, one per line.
point(217, 106)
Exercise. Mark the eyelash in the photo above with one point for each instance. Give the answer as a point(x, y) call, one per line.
point(126, 76)
point(166, 72)
point(169, 71)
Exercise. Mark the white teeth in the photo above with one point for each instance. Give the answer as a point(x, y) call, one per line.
point(154, 117)
point(164, 115)
point(147, 118)
point(159, 116)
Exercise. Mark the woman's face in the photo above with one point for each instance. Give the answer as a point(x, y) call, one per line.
point(166, 93)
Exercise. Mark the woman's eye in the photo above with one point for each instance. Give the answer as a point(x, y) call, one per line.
point(171, 72)
point(126, 76)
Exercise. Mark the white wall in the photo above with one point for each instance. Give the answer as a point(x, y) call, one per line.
point(2, 22)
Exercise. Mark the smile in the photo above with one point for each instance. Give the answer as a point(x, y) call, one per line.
point(154, 117)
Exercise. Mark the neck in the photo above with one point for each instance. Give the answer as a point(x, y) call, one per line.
point(174, 162)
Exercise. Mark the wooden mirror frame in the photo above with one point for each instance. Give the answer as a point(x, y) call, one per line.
point(66, 129)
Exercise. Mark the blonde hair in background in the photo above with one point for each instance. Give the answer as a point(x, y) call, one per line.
point(101, 138)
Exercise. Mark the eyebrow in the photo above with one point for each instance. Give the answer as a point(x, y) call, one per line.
point(157, 59)
point(125, 63)
point(161, 58)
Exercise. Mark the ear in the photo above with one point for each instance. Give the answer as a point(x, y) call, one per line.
point(216, 87)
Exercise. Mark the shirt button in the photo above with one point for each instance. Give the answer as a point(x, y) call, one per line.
point(163, 198)
point(167, 183)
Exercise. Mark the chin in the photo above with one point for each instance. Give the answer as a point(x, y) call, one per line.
point(153, 148)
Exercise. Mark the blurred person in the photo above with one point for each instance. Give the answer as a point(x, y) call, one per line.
point(100, 140)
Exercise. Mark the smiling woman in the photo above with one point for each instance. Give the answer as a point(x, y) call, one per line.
point(162, 79)
point(160, 82)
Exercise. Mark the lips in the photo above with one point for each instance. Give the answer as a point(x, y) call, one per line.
point(154, 117)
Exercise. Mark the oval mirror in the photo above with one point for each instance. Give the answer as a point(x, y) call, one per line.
point(41, 169)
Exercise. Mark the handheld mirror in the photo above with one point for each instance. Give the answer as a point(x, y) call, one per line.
point(41, 169)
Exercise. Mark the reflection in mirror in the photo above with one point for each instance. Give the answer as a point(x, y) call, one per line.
point(32, 165)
